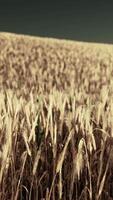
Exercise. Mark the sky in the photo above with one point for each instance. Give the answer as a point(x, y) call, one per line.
point(79, 20)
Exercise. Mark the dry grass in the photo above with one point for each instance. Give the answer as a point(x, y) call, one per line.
point(56, 111)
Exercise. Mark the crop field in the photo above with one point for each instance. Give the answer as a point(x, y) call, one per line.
point(56, 119)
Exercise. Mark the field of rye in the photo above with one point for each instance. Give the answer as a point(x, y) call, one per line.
point(56, 119)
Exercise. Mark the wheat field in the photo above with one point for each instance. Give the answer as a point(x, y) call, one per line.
point(56, 119)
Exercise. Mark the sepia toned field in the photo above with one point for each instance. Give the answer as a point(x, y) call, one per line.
point(56, 119)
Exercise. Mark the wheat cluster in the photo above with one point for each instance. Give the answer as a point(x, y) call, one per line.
point(56, 119)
